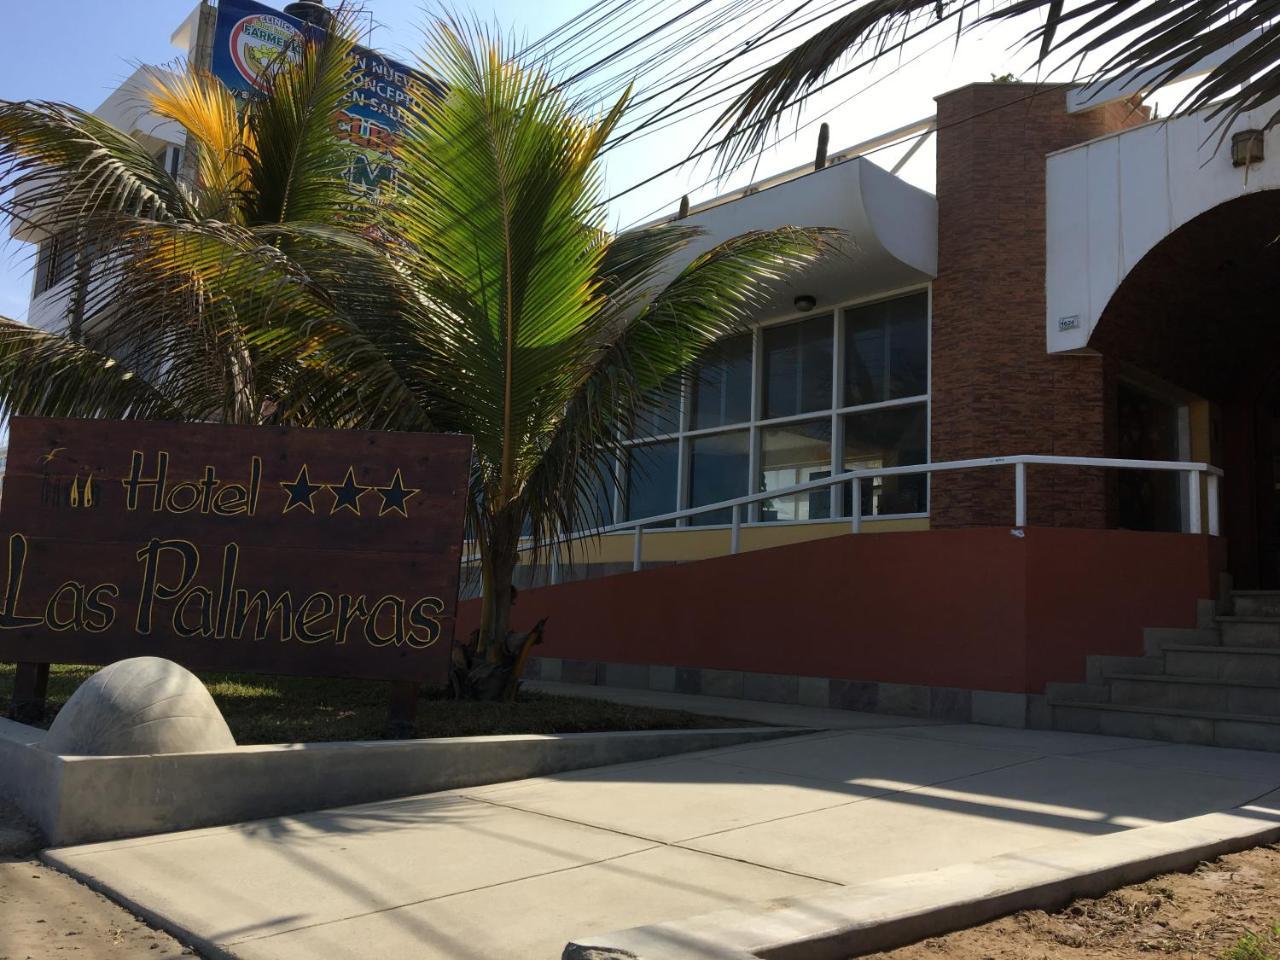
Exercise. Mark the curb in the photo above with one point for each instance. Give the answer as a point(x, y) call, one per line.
point(206, 948)
point(894, 911)
point(77, 800)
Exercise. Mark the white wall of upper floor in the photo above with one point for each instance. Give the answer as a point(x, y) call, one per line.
point(125, 109)
point(1110, 201)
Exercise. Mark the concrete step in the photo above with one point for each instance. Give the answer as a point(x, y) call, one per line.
point(1097, 667)
point(1260, 664)
point(1256, 603)
point(1255, 698)
point(1247, 732)
point(1156, 639)
point(1250, 631)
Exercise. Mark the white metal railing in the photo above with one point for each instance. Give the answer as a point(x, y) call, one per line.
point(1190, 470)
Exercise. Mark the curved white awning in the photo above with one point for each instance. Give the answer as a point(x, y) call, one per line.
point(892, 226)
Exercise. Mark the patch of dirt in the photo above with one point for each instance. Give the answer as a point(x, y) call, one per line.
point(1203, 915)
point(45, 914)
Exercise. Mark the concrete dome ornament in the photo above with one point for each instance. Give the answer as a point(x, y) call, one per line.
point(144, 705)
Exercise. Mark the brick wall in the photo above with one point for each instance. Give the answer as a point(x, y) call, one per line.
point(996, 391)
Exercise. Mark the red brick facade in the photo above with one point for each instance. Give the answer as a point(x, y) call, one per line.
point(995, 389)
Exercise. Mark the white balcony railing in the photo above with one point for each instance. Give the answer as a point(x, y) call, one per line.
point(1190, 471)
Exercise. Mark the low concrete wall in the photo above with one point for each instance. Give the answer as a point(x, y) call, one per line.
point(29, 776)
point(85, 799)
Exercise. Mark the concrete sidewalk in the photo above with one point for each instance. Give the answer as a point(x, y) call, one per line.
point(514, 870)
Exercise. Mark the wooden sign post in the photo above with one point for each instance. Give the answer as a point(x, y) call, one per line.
point(258, 549)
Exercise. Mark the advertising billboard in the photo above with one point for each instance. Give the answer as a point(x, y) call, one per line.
point(248, 37)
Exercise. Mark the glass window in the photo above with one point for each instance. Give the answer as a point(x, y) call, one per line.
point(659, 412)
point(885, 358)
point(797, 367)
point(651, 479)
point(718, 466)
point(887, 350)
point(722, 386)
point(791, 454)
point(55, 259)
point(889, 437)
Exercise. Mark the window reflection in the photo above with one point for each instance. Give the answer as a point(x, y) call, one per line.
point(595, 495)
point(889, 437)
point(722, 387)
point(652, 471)
point(887, 350)
point(659, 414)
point(797, 367)
point(791, 454)
point(718, 471)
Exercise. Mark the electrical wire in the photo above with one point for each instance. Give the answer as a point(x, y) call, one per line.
point(866, 153)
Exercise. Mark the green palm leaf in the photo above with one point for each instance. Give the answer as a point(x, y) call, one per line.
point(1115, 37)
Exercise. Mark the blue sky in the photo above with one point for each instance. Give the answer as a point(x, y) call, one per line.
point(78, 51)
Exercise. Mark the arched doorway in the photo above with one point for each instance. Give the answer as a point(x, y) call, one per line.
point(1191, 341)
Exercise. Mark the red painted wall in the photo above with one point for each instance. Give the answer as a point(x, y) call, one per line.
point(977, 608)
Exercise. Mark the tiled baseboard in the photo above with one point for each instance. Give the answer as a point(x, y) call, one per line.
point(954, 704)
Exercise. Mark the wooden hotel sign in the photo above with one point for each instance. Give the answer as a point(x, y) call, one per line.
point(262, 549)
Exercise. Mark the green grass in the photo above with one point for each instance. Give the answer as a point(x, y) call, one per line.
point(1256, 946)
point(261, 709)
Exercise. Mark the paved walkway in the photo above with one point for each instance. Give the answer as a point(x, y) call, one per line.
point(515, 870)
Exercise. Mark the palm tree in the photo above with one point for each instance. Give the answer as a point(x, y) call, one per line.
point(171, 278)
point(487, 297)
point(1109, 37)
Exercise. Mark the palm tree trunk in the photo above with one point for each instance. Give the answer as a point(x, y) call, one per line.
point(495, 605)
point(497, 566)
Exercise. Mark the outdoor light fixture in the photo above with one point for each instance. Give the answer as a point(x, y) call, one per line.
point(805, 302)
point(1246, 147)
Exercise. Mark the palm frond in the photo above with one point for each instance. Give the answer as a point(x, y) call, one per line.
point(46, 375)
point(499, 209)
point(223, 143)
point(1104, 39)
point(60, 165)
point(296, 169)
point(715, 296)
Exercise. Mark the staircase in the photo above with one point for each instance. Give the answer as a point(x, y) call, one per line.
point(1218, 684)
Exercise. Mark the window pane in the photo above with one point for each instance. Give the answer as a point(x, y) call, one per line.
point(722, 387)
point(892, 437)
point(651, 479)
point(797, 367)
point(595, 502)
point(909, 347)
point(793, 454)
point(64, 257)
point(718, 471)
point(887, 350)
point(659, 414)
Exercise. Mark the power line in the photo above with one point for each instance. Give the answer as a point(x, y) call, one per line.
point(813, 91)
point(937, 127)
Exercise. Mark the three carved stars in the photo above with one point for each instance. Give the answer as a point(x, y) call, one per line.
point(346, 495)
